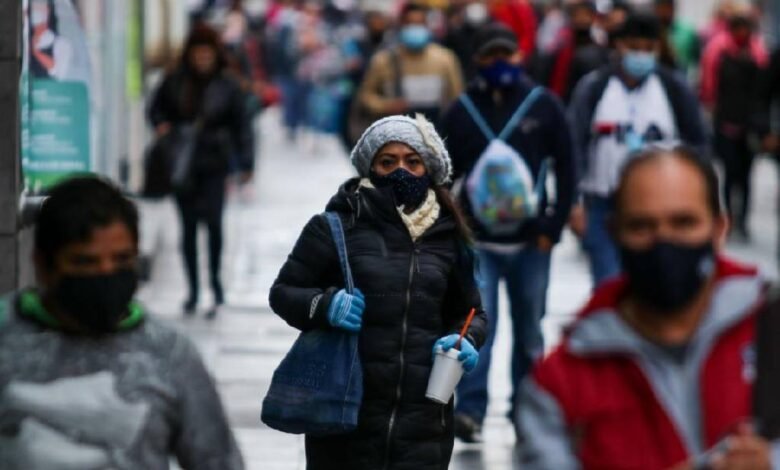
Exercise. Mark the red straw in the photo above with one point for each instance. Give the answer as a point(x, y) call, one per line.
point(465, 327)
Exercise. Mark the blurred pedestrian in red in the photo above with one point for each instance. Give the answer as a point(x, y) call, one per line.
point(520, 16)
point(730, 70)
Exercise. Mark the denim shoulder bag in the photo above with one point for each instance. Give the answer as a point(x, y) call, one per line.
point(318, 387)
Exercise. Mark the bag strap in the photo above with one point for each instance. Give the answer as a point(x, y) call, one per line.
point(518, 115)
point(477, 117)
point(395, 62)
point(337, 230)
point(522, 110)
point(542, 178)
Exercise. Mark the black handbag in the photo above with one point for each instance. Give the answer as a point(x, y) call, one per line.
point(169, 161)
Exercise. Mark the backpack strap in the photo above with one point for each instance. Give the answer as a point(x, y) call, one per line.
point(522, 110)
point(337, 231)
point(471, 108)
point(541, 180)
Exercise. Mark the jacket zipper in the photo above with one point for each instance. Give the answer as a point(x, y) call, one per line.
point(398, 390)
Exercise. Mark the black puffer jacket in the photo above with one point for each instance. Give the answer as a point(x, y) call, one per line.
point(415, 294)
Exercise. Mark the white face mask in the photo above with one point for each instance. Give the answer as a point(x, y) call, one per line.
point(476, 14)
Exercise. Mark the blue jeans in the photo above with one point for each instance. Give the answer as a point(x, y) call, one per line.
point(601, 248)
point(527, 275)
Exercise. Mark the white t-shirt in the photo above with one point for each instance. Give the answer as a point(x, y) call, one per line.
point(624, 121)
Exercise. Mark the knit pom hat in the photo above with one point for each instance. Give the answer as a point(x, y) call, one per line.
point(417, 133)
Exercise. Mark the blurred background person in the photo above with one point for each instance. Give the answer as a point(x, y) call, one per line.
point(730, 70)
point(615, 112)
point(415, 76)
point(199, 93)
point(612, 20)
point(520, 17)
point(520, 256)
point(464, 18)
point(577, 52)
point(682, 39)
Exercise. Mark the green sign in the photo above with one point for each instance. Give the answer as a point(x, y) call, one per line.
point(54, 93)
point(59, 137)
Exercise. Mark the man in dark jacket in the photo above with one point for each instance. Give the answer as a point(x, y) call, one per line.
point(87, 380)
point(522, 257)
point(615, 112)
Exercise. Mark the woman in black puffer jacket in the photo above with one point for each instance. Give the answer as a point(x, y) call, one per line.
point(201, 90)
point(408, 250)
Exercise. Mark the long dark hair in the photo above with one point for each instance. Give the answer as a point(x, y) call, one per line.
point(202, 34)
point(444, 196)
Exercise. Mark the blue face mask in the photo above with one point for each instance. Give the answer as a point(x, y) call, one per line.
point(415, 37)
point(501, 74)
point(639, 65)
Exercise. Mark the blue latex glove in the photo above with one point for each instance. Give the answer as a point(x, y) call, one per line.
point(468, 356)
point(346, 311)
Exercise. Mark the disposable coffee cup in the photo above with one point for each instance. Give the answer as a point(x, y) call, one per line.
point(446, 373)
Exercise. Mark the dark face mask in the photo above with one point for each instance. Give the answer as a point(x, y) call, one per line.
point(408, 190)
point(98, 303)
point(668, 276)
point(501, 74)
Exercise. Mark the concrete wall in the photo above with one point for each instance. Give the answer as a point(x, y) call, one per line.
point(11, 237)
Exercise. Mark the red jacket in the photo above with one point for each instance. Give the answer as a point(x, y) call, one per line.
point(518, 15)
point(608, 399)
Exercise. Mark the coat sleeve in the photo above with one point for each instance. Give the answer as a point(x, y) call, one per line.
point(462, 296)
point(371, 94)
point(580, 116)
point(543, 438)
point(304, 288)
point(767, 92)
point(159, 110)
point(564, 168)
point(203, 439)
point(241, 131)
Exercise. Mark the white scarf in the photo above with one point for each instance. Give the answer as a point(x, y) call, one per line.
point(423, 218)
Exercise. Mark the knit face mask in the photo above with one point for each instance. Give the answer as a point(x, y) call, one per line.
point(409, 190)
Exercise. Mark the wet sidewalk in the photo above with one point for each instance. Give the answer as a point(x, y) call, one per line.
point(243, 346)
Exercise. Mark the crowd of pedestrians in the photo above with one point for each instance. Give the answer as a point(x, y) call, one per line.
point(479, 131)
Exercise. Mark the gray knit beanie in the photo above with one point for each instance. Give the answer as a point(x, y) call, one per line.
point(417, 133)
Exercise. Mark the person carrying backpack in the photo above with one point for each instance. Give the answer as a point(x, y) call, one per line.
point(505, 135)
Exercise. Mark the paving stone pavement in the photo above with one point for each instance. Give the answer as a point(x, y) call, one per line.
point(245, 343)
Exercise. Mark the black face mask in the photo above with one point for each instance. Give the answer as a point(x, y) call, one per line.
point(408, 190)
point(668, 276)
point(98, 303)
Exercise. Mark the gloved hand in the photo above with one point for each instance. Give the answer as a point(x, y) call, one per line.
point(468, 356)
point(346, 311)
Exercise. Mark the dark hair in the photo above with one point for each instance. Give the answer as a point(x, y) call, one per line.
point(641, 25)
point(202, 34)
point(686, 154)
point(411, 7)
point(74, 209)
point(445, 198)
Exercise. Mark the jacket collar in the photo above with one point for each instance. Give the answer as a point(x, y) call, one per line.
point(599, 328)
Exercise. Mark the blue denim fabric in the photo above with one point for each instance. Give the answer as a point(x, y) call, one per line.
point(295, 97)
point(527, 275)
point(602, 251)
point(318, 388)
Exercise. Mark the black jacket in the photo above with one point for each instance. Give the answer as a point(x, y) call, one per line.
point(415, 294)
point(226, 139)
point(542, 134)
point(767, 94)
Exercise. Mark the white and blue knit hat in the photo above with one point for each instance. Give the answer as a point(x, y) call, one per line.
point(417, 133)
